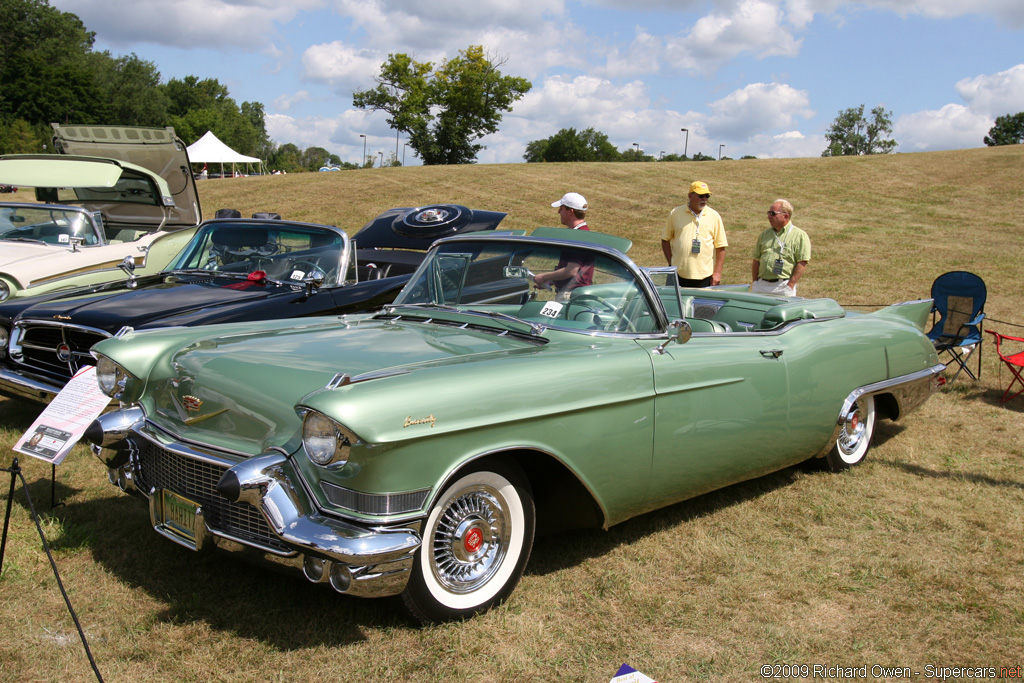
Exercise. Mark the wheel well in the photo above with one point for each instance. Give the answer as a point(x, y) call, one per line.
point(562, 502)
point(888, 406)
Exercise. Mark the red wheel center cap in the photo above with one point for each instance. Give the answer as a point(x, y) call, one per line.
point(854, 421)
point(473, 540)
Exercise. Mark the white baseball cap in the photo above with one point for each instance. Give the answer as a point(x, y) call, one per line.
point(573, 200)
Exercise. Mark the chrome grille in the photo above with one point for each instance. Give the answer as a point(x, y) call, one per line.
point(157, 468)
point(39, 341)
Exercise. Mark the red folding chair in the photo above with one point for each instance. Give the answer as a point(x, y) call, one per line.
point(1013, 361)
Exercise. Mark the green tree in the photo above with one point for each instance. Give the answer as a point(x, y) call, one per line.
point(44, 73)
point(286, 157)
point(1009, 130)
point(132, 88)
point(444, 111)
point(852, 135)
point(702, 157)
point(197, 106)
point(19, 137)
point(568, 145)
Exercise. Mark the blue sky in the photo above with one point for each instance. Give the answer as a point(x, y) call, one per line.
point(750, 77)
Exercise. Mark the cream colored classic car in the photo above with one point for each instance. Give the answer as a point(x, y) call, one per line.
point(132, 196)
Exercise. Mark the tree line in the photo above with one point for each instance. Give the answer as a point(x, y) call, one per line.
point(49, 72)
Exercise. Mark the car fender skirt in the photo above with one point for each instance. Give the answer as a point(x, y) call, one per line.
point(264, 482)
point(908, 392)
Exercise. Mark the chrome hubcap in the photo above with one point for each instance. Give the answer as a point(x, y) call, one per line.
point(470, 539)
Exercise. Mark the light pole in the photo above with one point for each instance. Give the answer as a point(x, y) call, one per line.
point(381, 159)
point(662, 155)
point(720, 151)
point(404, 145)
point(686, 143)
point(636, 157)
point(396, 143)
point(362, 162)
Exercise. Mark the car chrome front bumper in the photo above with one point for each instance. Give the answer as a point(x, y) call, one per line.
point(16, 385)
point(259, 506)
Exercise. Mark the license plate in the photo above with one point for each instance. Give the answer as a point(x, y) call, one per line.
point(179, 515)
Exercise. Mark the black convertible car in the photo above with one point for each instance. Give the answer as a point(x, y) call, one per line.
point(233, 270)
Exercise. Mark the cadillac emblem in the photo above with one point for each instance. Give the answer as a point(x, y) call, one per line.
point(191, 403)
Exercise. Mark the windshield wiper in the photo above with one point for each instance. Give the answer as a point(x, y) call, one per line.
point(222, 273)
point(22, 239)
point(535, 328)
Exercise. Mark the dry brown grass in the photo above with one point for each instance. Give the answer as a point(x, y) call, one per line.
point(915, 558)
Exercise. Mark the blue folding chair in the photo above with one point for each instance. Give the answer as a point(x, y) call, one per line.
point(958, 300)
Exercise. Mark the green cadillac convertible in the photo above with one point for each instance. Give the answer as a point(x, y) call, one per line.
point(418, 450)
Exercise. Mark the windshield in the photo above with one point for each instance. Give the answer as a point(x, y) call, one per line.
point(283, 251)
point(570, 288)
point(46, 224)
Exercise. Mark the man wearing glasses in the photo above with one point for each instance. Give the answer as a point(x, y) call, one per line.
point(781, 253)
point(694, 240)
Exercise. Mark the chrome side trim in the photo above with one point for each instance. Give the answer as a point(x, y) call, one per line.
point(910, 391)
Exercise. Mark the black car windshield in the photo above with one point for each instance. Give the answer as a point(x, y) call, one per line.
point(283, 251)
point(45, 224)
point(577, 289)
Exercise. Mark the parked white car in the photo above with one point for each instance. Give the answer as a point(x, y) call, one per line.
point(109, 193)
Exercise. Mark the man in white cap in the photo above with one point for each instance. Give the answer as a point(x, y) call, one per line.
point(694, 240)
point(574, 269)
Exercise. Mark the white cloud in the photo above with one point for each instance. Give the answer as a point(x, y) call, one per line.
point(286, 102)
point(756, 27)
point(995, 95)
point(340, 65)
point(758, 108)
point(186, 23)
point(954, 126)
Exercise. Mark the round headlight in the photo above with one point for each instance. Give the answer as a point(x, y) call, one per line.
point(323, 440)
point(5, 291)
point(109, 375)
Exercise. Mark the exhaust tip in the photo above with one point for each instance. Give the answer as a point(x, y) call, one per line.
point(341, 578)
point(315, 568)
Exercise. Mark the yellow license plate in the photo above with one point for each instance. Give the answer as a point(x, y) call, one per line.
point(179, 515)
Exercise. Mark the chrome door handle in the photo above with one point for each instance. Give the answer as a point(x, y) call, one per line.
point(771, 353)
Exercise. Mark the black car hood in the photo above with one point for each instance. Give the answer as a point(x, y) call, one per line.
point(158, 300)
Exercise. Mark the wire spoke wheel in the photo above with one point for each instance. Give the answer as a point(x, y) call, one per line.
point(854, 436)
point(476, 541)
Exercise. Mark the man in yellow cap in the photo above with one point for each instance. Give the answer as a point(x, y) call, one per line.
point(694, 240)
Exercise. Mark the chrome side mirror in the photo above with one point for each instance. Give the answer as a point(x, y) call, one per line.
point(128, 266)
point(314, 282)
point(679, 331)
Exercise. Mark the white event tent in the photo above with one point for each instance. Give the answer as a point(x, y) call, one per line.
point(210, 150)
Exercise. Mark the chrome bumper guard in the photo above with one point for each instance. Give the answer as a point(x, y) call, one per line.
point(355, 559)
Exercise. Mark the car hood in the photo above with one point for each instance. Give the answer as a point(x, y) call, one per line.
point(155, 302)
point(243, 381)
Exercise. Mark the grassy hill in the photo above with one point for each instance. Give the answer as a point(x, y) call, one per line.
point(882, 227)
point(913, 559)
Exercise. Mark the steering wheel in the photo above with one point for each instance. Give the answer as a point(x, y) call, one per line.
point(624, 323)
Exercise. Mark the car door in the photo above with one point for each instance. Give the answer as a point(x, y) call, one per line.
point(721, 412)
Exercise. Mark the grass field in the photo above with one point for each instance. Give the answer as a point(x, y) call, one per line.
point(914, 559)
